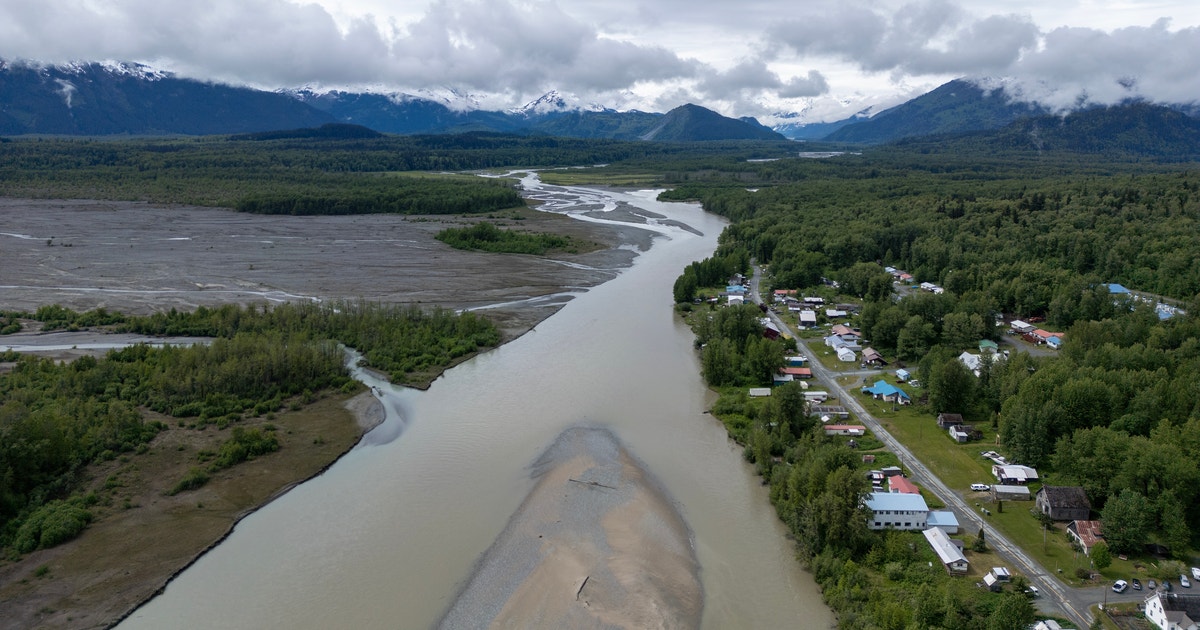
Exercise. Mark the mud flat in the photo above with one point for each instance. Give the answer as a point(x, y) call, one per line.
point(597, 544)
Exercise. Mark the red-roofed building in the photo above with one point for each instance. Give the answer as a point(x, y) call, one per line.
point(900, 484)
point(1086, 533)
point(798, 372)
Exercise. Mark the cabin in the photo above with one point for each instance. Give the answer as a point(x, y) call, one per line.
point(846, 354)
point(963, 433)
point(902, 375)
point(808, 318)
point(1063, 503)
point(951, 556)
point(947, 420)
point(798, 372)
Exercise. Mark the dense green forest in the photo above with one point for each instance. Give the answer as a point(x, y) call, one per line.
point(1117, 410)
point(489, 238)
point(55, 419)
point(311, 175)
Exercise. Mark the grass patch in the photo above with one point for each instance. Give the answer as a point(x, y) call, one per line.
point(600, 177)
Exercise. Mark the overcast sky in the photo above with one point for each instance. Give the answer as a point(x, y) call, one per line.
point(740, 57)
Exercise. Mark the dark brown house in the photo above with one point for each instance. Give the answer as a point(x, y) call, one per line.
point(1063, 503)
point(947, 420)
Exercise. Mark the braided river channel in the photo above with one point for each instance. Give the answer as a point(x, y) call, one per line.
point(389, 535)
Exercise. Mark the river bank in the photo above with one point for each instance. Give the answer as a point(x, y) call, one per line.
point(141, 258)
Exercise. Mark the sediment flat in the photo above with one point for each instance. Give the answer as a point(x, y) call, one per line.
point(596, 544)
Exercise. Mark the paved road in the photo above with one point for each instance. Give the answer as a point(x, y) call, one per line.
point(1071, 602)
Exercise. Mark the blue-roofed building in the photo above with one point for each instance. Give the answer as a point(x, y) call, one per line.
point(887, 392)
point(897, 511)
point(944, 520)
point(1117, 289)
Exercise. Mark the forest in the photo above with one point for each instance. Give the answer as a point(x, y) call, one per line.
point(489, 238)
point(55, 419)
point(1117, 410)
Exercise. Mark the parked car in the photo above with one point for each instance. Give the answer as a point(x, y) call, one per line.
point(979, 487)
point(1151, 584)
point(1166, 586)
point(1196, 573)
point(1137, 584)
point(1184, 582)
point(1120, 585)
point(1032, 591)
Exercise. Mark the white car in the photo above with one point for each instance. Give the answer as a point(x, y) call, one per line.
point(1183, 581)
point(980, 487)
point(1196, 573)
point(1120, 585)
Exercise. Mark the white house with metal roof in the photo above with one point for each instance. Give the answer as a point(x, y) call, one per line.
point(950, 555)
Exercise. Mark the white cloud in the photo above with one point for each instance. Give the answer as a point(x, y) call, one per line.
point(749, 57)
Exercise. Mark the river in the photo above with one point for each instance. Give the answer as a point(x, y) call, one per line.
point(388, 536)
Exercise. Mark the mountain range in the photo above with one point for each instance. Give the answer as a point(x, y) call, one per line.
point(99, 99)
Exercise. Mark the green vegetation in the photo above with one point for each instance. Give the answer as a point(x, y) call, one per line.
point(1116, 410)
point(489, 238)
point(56, 419)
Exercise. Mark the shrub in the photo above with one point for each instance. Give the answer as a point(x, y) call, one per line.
point(195, 478)
point(51, 524)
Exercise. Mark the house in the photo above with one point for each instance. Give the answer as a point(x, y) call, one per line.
point(1010, 493)
point(897, 511)
point(779, 378)
point(888, 393)
point(735, 288)
point(735, 298)
point(1116, 289)
point(1020, 328)
point(947, 420)
point(758, 392)
point(962, 433)
point(872, 356)
point(833, 312)
point(902, 375)
point(845, 429)
point(891, 471)
point(1044, 336)
point(814, 300)
point(837, 341)
point(1047, 624)
point(770, 330)
point(1014, 474)
point(798, 372)
point(781, 294)
point(899, 484)
point(816, 396)
point(846, 354)
point(808, 318)
point(950, 555)
point(944, 520)
point(1086, 533)
point(1063, 503)
point(976, 362)
point(1173, 611)
point(988, 346)
point(845, 332)
point(796, 361)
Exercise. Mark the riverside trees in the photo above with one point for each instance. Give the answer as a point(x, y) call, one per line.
point(55, 419)
point(1116, 410)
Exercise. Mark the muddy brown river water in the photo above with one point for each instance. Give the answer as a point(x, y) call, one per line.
point(390, 534)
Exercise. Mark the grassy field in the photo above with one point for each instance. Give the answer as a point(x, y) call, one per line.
point(600, 177)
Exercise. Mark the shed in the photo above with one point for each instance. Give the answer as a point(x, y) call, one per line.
point(902, 374)
point(1010, 493)
point(757, 392)
point(845, 429)
point(1063, 503)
